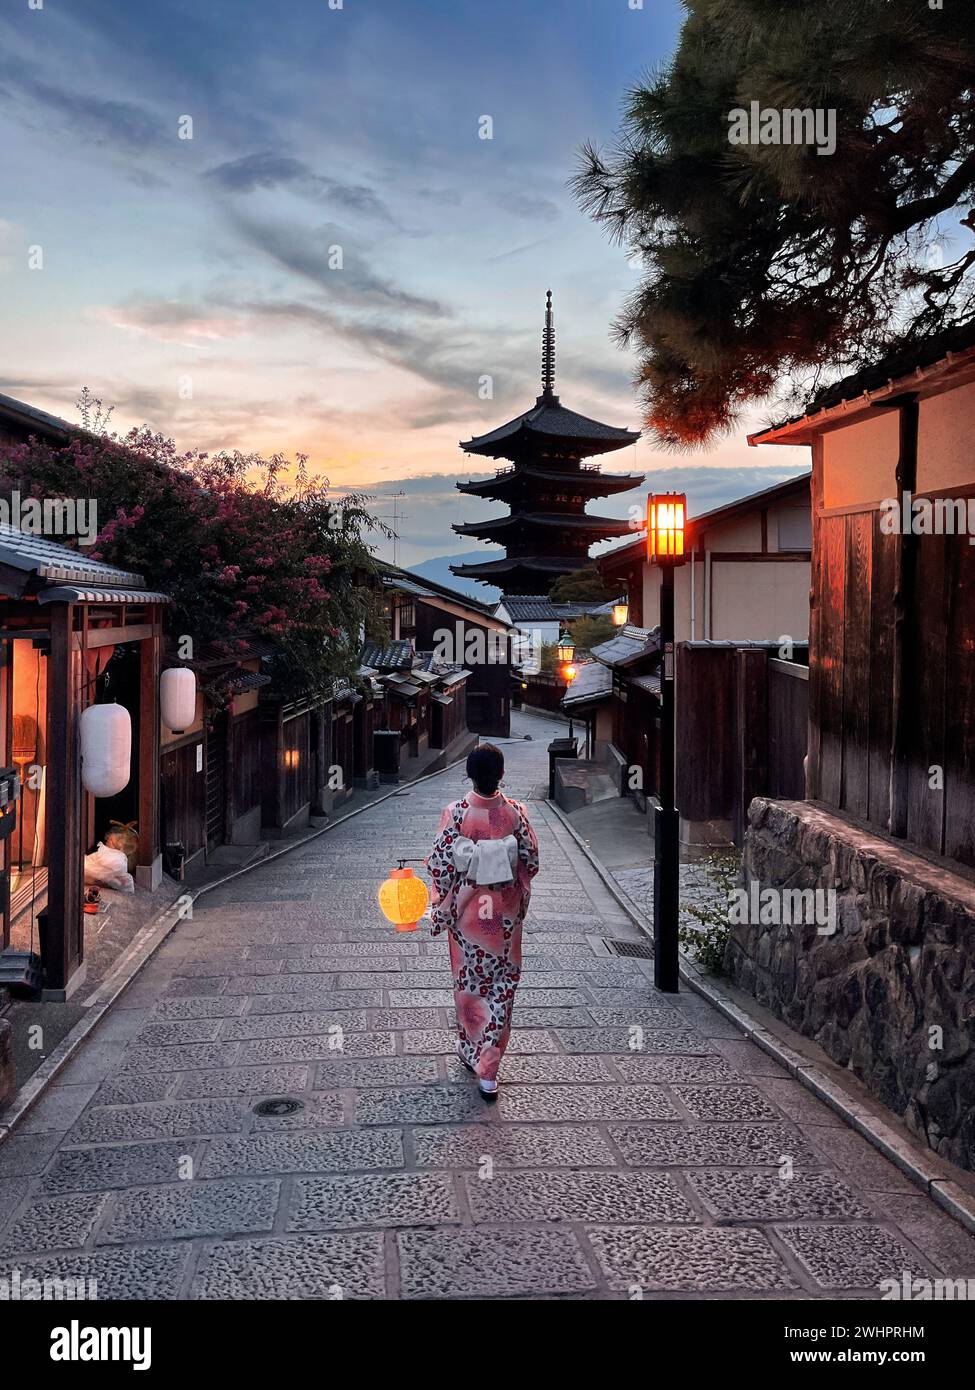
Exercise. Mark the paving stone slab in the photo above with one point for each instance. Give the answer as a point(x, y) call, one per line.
point(310, 1151)
point(259, 1082)
point(315, 1001)
point(130, 1165)
point(641, 1015)
point(706, 1259)
point(146, 1275)
point(135, 1089)
point(316, 1049)
point(381, 979)
point(23, 1154)
point(551, 1007)
point(53, 1223)
point(943, 1241)
point(194, 1030)
point(511, 1146)
point(732, 1195)
point(383, 1199)
point(212, 966)
point(544, 1068)
point(377, 1071)
point(351, 971)
point(282, 984)
point(190, 1057)
point(849, 1256)
point(199, 987)
point(412, 1019)
point(215, 1006)
point(367, 948)
point(57, 1109)
point(122, 1123)
point(420, 1105)
point(853, 1155)
point(482, 1264)
point(681, 1146)
point(444, 1040)
point(717, 1103)
point(637, 1066)
point(584, 1103)
point(578, 1196)
point(292, 1025)
point(323, 1268)
point(609, 1040)
point(192, 1209)
point(421, 998)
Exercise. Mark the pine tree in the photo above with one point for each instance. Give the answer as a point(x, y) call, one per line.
point(771, 266)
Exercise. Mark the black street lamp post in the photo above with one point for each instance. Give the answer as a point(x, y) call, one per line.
point(665, 544)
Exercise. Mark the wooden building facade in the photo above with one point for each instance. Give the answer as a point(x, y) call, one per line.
point(74, 632)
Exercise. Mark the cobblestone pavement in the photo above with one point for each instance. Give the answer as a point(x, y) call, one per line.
point(640, 1147)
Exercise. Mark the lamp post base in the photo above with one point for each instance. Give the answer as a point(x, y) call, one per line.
point(666, 897)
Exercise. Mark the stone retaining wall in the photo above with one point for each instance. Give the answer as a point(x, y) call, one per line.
point(899, 967)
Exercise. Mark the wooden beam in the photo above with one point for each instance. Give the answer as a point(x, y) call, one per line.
point(65, 930)
point(150, 656)
point(114, 636)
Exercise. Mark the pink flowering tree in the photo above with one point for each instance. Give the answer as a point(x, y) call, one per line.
point(246, 546)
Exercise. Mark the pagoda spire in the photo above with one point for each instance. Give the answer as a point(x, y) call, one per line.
point(548, 352)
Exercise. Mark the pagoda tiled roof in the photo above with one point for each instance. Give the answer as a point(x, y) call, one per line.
point(591, 481)
point(548, 419)
point(560, 521)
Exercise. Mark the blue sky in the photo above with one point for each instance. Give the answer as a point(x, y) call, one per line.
point(188, 281)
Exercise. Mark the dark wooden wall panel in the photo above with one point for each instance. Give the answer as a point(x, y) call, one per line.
point(828, 659)
point(925, 808)
point(959, 822)
point(856, 663)
point(881, 672)
point(183, 799)
point(246, 762)
point(788, 723)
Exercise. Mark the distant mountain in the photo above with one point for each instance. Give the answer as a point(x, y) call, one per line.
point(438, 569)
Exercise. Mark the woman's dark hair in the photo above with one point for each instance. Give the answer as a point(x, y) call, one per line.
point(485, 768)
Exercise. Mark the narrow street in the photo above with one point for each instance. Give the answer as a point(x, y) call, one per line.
point(639, 1148)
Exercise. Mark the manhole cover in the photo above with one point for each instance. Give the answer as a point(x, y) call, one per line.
point(643, 949)
point(280, 1105)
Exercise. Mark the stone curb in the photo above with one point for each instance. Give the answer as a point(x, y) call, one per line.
point(923, 1169)
point(143, 946)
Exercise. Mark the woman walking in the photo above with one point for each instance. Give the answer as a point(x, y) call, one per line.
point(482, 865)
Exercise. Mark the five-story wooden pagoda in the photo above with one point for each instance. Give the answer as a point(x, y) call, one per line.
point(548, 531)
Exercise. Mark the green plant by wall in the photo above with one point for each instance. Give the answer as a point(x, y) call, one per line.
point(704, 928)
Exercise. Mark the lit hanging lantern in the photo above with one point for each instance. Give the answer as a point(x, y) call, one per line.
point(567, 648)
point(666, 516)
point(106, 749)
point(569, 672)
point(404, 898)
point(621, 613)
point(177, 698)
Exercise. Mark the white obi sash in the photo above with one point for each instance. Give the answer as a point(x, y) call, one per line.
point(486, 861)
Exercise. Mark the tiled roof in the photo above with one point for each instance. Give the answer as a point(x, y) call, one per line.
point(396, 656)
point(628, 645)
point(538, 608)
point(593, 682)
point(549, 419)
point(47, 560)
point(239, 680)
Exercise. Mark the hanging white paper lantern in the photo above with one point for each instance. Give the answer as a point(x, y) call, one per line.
point(177, 698)
point(106, 749)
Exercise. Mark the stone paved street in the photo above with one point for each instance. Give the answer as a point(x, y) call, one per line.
point(640, 1147)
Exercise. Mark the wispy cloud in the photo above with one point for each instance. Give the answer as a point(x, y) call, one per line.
point(267, 170)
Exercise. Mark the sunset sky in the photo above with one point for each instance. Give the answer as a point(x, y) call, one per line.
point(202, 264)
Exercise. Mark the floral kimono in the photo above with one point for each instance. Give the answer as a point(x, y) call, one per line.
point(483, 921)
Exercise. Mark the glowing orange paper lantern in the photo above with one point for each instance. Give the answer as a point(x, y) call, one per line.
point(666, 514)
point(404, 899)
